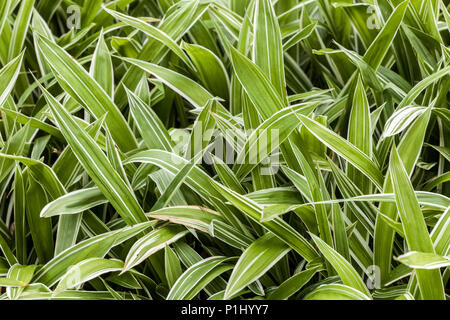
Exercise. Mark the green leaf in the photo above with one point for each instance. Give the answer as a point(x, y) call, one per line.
point(151, 31)
point(210, 69)
point(299, 36)
point(21, 273)
point(172, 266)
point(20, 225)
point(34, 123)
point(97, 165)
point(423, 260)
point(317, 196)
point(202, 131)
point(84, 89)
point(151, 243)
point(441, 234)
point(5, 8)
point(419, 87)
point(268, 136)
point(277, 226)
point(189, 89)
point(177, 22)
point(402, 119)
point(191, 216)
point(409, 150)
point(102, 69)
point(41, 229)
point(345, 149)
point(292, 285)
point(87, 270)
point(336, 292)
point(360, 132)
point(267, 46)
point(416, 233)
point(229, 235)
point(74, 202)
point(345, 270)
point(8, 77)
point(197, 276)
point(20, 28)
point(150, 126)
point(256, 260)
point(257, 85)
point(94, 247)
point(376, 52)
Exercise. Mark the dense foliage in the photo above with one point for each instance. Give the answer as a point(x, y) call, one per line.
point(224, 149)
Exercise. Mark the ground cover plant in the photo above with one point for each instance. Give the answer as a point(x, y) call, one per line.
point(224, 149)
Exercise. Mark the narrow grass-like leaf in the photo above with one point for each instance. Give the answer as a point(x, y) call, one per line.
point(345, 149)
point(152, 242)
point(80, 85)
point(86, 270)
point(153, 131)
point(422, 260)
point(98, 166)
point(416, 233)
point(267, 45)
point(172, 266)
point(20, 28)
point(256, 260)
point(102, 68)
point(196, 277)
point(190, 216)
point(8, 77)
point(94, 247)
point(277, 226)
point(336, 292)
point(261, 92)
point(268, 136)
point(20, 226)
point(210, 69)
point(74, 202)
point(379, 47)
point(151, 31)
point(343, 267)
point(20, 273)
point(360, 132)
point(292, 285)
